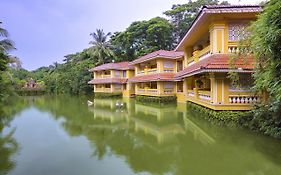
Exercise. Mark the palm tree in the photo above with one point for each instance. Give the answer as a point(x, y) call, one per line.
point(101, 48)
point(5, 44)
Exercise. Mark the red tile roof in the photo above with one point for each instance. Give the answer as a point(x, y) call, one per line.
point(218, 63)
point(108, 81)
point(114, 66)
point(152, 77)
point(208, 10)
point(159, 54)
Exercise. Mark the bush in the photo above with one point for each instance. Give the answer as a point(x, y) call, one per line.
point(107, 95)
point(152, 99)
point(230, 118)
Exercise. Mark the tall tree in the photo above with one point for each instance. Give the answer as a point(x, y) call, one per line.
point(6, 45)
point(101, 48)
point(142, 37)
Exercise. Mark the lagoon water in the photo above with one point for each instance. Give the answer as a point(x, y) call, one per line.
point(63, 136)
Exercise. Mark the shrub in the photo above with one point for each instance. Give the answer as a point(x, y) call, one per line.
point(230, 118)
point(107, 95)
point(152, 99)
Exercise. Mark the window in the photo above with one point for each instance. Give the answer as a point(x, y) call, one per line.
point(179, 66)
point(180, 86)
point(168, 64)
point(117, 73)
point(237, 31)
point(153, 85)
point(244, 82)
point(168, 85)
point(107, 72)
point(124, 86)
point(141, 85)
point(124, 74)
point(107, 86)
point(98, 86)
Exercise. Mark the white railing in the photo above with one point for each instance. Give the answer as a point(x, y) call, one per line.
point(243, 99)
point(191, 93)
point(150, 71)
point(233, 49)
point(204, 96)
point(152, 91)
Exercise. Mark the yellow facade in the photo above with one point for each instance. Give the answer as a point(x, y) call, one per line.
point(116, 87)
point(216, 90)
point(155, 67)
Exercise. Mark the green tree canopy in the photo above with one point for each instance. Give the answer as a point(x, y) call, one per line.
point(142, 37)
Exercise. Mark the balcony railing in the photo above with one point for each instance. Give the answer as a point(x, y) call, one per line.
point(233, 49)
point(106, 76)
point(168, 91)
point(168, 69)
point(204, 53)
point(151, 71)
point(204, 95)
point(156, 91)
point(190, 61)
point(243, 99)
point(98, 89)
point(152, 91)
point(107, 90)
point(190, 93)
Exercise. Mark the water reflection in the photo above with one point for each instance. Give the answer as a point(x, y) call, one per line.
point(8, 145)
point(162, 139)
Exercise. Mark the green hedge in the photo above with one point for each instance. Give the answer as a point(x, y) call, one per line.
point(218, 117)
point(107, 95)
point(152, 99)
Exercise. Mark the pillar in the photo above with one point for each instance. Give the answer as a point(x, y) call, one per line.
point(219, 88)
point(218, 37)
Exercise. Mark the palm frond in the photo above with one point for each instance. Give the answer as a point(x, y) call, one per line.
point(6, 45)
point(3, 32)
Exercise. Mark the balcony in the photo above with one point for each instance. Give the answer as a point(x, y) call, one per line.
point(156, 92)
point(204, 95)
point(233, 47)
point(147, 71)
point(204, 53)
point(107, 89)
point(151, 71)
point(199, 94)
point(243, 98)
point(168, 70)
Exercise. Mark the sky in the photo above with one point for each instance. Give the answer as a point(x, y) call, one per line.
point(44, 31)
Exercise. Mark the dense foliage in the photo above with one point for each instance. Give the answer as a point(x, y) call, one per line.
point(265, 44)
point(142, 37)
point(6, 45)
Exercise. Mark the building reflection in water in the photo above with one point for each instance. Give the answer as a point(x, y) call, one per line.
point(163, 123)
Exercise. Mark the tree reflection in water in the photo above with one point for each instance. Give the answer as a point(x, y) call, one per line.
point(8, 145)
